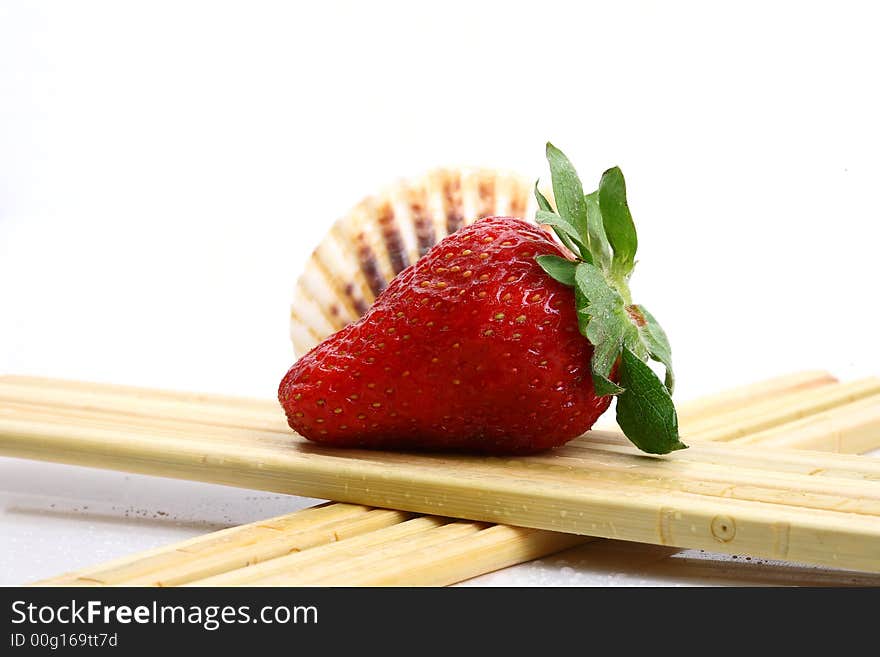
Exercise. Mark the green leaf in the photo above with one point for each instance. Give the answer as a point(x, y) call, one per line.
point(565, 230)
point(560, 269)
point(602, 320)
point(567, 190)
point(618, 221)
point(599, 246)
point(580, 305)
point(645, 411)
point(605, 353)
point(654, 338)
point(599, 228)
point(607, 340)
point(543, 203)
point(604, 387)
point(632, 339)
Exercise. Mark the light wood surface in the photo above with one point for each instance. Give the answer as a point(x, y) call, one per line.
point(850, 428)
point(735, 399)
point(447, 556)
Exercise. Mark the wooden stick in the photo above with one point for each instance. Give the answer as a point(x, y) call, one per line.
point(387, 551)
point(437, 565)
point(174, 564)
point(728, 426)
point(458, 559)
point(441, 563)
point(805, 462)
point(153, 409)
point(852, 428)
point(617, 560)
point(221, 410)
point(328, 556)
point(146, 425)
point(248, 415)
point(461, 559)
point(666, 509)
point(137, 408)
point(736, 399)
point(221, 560)
point(145, 561)
point(174, 397)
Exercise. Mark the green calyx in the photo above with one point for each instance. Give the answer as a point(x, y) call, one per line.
point(599, 231)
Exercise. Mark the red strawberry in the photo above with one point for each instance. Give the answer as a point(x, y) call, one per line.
point(474, 347)
point(480, 345)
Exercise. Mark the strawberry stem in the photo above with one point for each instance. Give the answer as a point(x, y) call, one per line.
point(598, 229)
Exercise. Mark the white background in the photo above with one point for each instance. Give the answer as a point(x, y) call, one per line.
point(165, 168)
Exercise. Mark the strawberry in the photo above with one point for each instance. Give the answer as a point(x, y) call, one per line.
point(498, 340)
point(473, 347)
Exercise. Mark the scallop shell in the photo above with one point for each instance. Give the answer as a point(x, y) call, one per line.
point(382, 235)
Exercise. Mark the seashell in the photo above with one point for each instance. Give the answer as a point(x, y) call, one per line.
point(382, 235)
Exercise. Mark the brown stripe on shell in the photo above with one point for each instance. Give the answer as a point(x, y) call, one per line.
point(370, 266)
point(518, 205)
point(425, 237)
point(423, 223)
point(359, 304)
point(331, 312)
point(486, 194)
point(454, 210)
point(392, 237)
point(294, 317)
point(354, 303)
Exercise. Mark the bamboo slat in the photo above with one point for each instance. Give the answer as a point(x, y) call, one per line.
point(145, 405)
point(437, 564)
point(200, 557)
point(738, 398)
point(494, 548)
point(440, 561)
point(851, 428)
point(695, 498)
point(729, 426)
point(136, 403)
point(222, 558)
point(103, 391)
point(136, 565)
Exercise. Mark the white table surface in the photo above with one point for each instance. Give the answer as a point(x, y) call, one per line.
point(165, 169)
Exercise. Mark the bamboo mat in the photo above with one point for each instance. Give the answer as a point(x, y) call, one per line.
point(227, 554)
point(745, 493)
